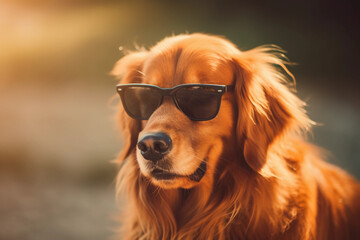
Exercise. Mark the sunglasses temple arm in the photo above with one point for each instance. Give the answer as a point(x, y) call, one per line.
point(229, 88)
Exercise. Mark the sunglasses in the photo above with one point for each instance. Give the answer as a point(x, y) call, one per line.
point(199, 102)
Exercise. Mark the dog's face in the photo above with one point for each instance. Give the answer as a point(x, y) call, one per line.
point(192, 147)
point(174, 151)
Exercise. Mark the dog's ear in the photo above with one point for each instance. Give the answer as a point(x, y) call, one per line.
point(267, 108)
point(128, 70)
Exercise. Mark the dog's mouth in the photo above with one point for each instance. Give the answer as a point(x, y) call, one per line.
point(199, 173)
point(162, 175)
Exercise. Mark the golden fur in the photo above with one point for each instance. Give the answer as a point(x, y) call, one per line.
point(263, 180)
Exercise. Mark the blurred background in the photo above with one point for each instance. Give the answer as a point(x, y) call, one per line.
point(57, 134)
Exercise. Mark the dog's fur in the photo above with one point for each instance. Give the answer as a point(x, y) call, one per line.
point(263, 180)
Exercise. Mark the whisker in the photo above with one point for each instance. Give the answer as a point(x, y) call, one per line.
point(157, 191)
point(142, 73)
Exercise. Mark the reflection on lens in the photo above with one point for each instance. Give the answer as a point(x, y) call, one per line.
point(198, 103)
point(141, 102)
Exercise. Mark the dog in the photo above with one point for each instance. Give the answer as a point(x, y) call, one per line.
point(216, 148)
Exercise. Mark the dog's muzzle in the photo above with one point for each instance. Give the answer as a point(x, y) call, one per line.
point(155, 146)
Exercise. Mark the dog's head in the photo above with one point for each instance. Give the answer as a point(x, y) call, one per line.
point(174, 150)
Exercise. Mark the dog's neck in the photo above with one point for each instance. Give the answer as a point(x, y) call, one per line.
point(214, 204)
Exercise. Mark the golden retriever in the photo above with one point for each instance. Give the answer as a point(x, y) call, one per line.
point(215, 148)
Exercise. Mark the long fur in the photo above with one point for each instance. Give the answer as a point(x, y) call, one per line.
point(267, 181)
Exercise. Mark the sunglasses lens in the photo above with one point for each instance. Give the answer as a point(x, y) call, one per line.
point(141, 102)
point(198, 103)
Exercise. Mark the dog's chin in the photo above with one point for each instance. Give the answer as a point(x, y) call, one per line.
point(168, 180)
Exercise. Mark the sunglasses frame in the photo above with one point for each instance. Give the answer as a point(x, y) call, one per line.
point(220, 90)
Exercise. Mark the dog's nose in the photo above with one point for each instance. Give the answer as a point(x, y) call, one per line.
point(154, 146)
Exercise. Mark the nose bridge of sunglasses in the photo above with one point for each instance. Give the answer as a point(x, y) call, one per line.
point(166, 94)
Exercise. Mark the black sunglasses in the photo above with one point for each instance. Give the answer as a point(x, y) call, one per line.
point(200, 102)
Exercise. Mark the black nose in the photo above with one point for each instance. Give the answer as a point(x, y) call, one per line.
point(154, 146)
